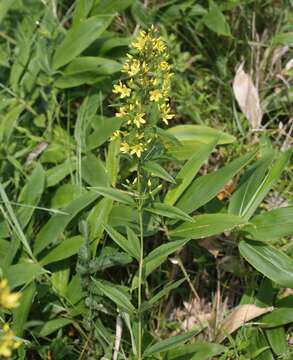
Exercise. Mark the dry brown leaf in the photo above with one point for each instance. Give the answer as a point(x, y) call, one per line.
point(239, 316)
point(247, 97)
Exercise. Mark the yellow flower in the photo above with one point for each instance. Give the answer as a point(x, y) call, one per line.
point(164, 65)
point(121, 89)
point(8, 342)
point(124, 148)
point(140, 43)
point(138, 120)
point(115, 135)
point(158, 44)
point(145, 66)
point(155, 95)
point(122, 112)
point(165, 112)
point(8, 300)
point(137, 149)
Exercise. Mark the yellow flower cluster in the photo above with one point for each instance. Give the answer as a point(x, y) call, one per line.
point(144, 95)
point(8, 300)
point(8, 343)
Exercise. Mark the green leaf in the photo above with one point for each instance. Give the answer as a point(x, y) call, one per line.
point(81, 35)
point(93, 171)
point(23, 273)
point(204, 188)
point(200, 133)
point(20, 314)
point(269, 261)
point(128, 246)
point(197, 351)
point(104, 128)
point(104, 262)
point(133, 239)
point(165, 291)
point(113, 160)
point(257, 194)
point(81, 11)
point(207, 225)
point(188, 173)
point(215, 21)
point(155, 169)
point(53, 325)
point(52, 230)
point(115, 294)
point(59, 172)
point(283, 38)
point(114, 194)
point(111, 6)
point(168, 211)
point(271, 225)
point(170, 343)
point(278, 317)
point(277, 340)
point(92, 64)
point(5, 6)
point(64, 250)
point(156, 257)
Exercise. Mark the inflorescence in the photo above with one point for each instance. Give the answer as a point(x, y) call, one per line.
point(144, 95)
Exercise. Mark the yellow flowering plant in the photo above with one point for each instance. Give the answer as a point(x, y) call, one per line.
point(8, 301)
point(144, 94)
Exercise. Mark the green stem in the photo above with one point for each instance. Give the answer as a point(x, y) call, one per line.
point(140, 213)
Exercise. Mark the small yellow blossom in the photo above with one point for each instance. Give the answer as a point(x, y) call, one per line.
point(155, 95)
point(139, 44)
point(115, 135)
point(165, 111)
point(8, 343)
point(8, 300)
point(124, 148)
point(145, 66)
point(137, 149)
point(122, 112)
point(132, 68)
point(164, 65)
point(121, 89)
point(158, 44)
point(139, 120)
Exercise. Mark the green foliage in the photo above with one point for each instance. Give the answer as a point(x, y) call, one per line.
point(94, 239)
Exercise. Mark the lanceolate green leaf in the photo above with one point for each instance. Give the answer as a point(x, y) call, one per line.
point(114, 194)
point(115, 294)
point(81, 35)
point(64, 250)
point(269, 261)
point(58, 222)
point(271, 224)
point(249, 184)
point(200, 133)
point(206, 187)
point(20, 314)
point(197, 351)
point(168, 211)
point(207, 225)
point(126, 244)
point(23, 273)
point(170, 343)
point(259, 193)
point(188, 173)
point(156, 257)
point(157, 170)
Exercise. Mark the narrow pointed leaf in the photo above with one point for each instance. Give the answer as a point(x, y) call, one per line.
point(125, 244)
point(269, 261)
point(168, 211)
point(157, 170)
point(114, 194)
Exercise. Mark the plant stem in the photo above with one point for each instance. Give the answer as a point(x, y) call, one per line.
point(140, 213)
